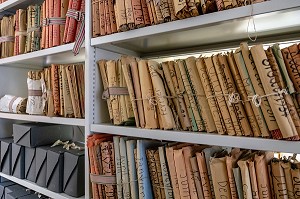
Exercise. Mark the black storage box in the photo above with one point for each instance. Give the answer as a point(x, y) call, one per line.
point(13, 188)
point(41, 165)
point(55, 169)
point(3, 185)
point(5, 165)
point(18, 194)
point(74, 173)
point(3, 179)
point(33, 196)
point(18, 161)
point(39, 134)
point(30, 156)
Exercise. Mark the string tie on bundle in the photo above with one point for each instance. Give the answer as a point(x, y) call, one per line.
point(233, 98)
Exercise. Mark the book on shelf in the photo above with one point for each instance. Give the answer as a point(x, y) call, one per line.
point(248, 92)
point(174, 170)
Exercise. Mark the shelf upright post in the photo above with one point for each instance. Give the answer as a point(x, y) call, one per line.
point(89, 88)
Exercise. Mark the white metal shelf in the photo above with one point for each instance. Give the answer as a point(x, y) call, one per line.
point(272, 18)
point(10, 6)
point(202, 138)
point(37, 188)
point(60, 55)
point(45, 119)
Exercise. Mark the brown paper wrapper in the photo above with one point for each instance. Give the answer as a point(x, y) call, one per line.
point(217, 92)
point(258, 87)
point(172, 11)
point(79, 68)
point(252, 173)
point(172, 170)
point(224, 91)
point(262, 176)
point(102, 69)
point(291, 57)
point(220, 177)
point(288, 179)
point(96, 18)
point(73, 86)
point(159, 174)
point(20, 28)
point(107, 167)
point(108, 23)
point(61, 91)
point(188, 89)
point(208, 6)
point(146, 16)
point(121, 15)
point(129, 14)
point(242, 92)
point(279, 183)
point(129, 83)
point(102, 17)
point(213, 105)
point(238, 108)
point(165, 11)
point(271, 181)
point(280, 81)
point(197, 177)
point(187, 154)
point(249, 91)
point(68, 108)
point(229, 166)
point(112, 70)
point(158, 12)
point(181, 174)
point(165, 111)
point(121, 98)
point(245, 179)
point(147, 90)
point(171, 80)
point(7, 29)
point(137, 87)
point(295, 172)
point(198, 89)
point(138, 13)
point(181, 90)
point(112, 16)
point(277, 103)
point(153, 173)
point(55, 88)
point(204, 175)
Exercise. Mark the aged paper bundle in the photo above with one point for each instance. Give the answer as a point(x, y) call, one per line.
point(13, 104)
point(33, 28)
point(20, 31)
point(7, 36)
point(276, 101)
point(36, 89)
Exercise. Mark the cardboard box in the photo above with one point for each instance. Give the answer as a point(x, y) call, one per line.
point(17, 194)
point(30, 157)
point(13, 188)
point(40, 134)
point(55, 169)
point(18, 161)
point(74, 173)
point(41, 165)
point(5, 165)
point(3, 185)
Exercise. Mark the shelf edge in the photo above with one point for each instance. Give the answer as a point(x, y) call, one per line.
point(202, 138)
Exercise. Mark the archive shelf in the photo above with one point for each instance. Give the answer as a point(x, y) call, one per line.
point(37, 188)
point(226, 29)
point(202, 138)
point(45, 119)
point(220, 29)
point(45, 57)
